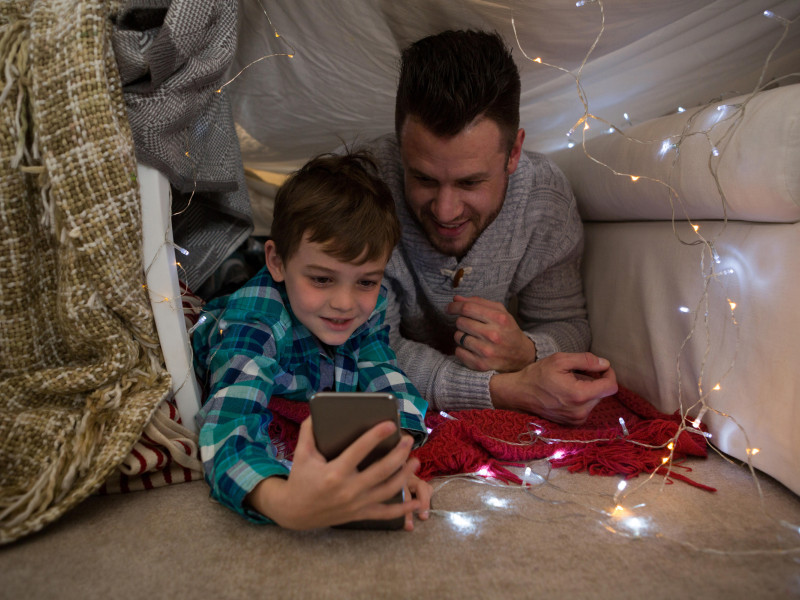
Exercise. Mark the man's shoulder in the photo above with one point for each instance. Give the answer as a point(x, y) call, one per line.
point(259, 302)
point(539, 167)
point(384, 149)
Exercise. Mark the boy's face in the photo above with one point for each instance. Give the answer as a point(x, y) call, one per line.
point(330, 297)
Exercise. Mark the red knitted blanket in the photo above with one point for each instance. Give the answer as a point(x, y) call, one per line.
point(624, 435)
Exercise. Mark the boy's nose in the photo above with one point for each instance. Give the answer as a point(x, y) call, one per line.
point(341, 299)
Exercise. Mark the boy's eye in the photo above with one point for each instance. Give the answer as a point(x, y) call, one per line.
point(320, 280)
point(367, 284)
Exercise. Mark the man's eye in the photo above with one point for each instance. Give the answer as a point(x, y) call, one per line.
point(470, 183)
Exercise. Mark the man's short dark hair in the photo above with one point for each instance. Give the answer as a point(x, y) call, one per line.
point(340, 201)
point(449, 79)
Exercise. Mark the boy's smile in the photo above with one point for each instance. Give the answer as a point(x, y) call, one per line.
point(330, 297)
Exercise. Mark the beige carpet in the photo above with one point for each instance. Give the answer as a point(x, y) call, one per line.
point(560, 538)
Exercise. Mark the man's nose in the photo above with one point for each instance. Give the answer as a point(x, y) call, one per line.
point(446, 206)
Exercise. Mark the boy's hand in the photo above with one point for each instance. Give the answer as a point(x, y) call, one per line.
point(422, 491)
point(319, 493)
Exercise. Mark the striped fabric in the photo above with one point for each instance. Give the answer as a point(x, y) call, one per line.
point(250, 347)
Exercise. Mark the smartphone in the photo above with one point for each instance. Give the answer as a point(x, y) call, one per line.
point(340, 418)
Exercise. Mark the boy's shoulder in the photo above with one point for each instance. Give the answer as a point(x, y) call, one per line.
point(260, 299)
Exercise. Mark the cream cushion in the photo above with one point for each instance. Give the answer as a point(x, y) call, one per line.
point(757, 167)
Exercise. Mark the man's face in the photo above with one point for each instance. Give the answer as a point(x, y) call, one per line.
point(330, 297)
point(456, 186)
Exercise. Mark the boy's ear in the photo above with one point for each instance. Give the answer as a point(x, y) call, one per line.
point(274, 261)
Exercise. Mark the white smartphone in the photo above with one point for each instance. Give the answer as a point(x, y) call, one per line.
point(340, 418)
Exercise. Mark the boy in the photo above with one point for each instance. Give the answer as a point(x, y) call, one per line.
point(312, 319)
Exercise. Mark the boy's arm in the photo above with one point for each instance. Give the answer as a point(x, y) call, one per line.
point(378, 371)
point(235, 447)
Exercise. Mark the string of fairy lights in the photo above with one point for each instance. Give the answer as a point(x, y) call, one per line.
point(622, 519)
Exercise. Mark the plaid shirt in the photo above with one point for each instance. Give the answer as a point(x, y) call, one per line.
point(249, 347)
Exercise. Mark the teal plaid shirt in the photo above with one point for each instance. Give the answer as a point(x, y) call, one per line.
point(250, 347)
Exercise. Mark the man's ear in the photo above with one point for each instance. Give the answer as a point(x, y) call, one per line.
point(516, 152)
point(274, 261)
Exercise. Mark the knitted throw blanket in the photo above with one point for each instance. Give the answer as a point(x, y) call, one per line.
point(489, 441)
point(80, 365)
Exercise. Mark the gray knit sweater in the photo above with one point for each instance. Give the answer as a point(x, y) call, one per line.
point(531, 251)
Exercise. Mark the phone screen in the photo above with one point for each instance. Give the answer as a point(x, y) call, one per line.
point(340, 418)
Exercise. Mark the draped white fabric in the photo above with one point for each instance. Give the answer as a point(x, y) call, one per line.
point(652, 57)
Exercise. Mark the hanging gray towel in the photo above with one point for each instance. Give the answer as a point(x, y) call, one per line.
point(172, 56)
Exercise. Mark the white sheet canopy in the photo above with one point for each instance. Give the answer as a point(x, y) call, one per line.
point(652, 56)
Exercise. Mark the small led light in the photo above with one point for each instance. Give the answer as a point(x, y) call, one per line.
point(571, 145)
point(715, 151)
point(497, 502)
point(538, 59)
point(462, 522)
point(684, 309)
point(695, 227)
point(634, 178)
point(681, 109)
point(717, 388)
point(671, 446)
point(753, 451)
point(622, 485)
point(732, 304)
point(485, 471)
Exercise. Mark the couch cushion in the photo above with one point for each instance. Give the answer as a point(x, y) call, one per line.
point(758, 166)
point(668, 327)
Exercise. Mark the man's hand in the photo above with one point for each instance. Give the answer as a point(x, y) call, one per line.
point(556, 387)
point(488, 338)
point(320, 493)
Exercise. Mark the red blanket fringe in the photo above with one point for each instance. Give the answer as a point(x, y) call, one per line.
point(490, 441)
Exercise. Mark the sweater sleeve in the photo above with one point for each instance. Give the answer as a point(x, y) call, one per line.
point(445, 383)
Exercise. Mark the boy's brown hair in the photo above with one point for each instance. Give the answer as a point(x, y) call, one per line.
point(342, 204)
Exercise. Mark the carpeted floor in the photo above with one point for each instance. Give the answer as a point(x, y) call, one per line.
point(559, 538)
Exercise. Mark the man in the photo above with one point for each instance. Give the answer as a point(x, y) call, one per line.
point(484, 225)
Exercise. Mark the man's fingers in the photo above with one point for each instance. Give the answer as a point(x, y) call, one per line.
point(580, 361)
